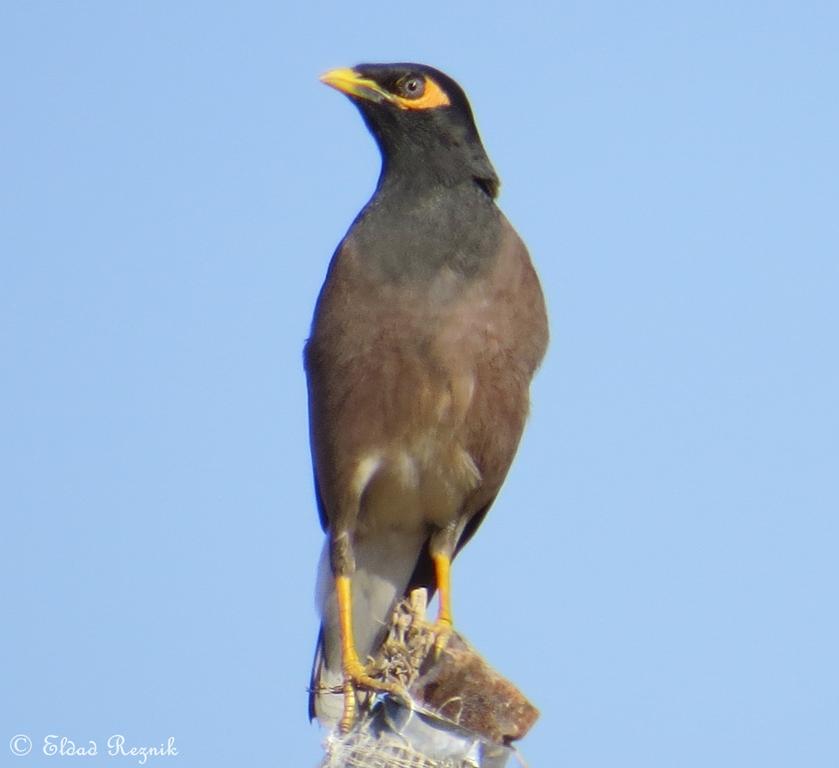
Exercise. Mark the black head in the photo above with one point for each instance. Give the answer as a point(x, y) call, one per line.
point(421, 120)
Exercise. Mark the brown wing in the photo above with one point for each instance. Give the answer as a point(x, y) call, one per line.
point(511, 352)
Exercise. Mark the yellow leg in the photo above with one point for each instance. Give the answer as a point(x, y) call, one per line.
point(442, 571)
point(349, 657)
point(355, 673)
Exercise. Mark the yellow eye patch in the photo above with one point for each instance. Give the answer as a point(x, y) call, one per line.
point(432, 96)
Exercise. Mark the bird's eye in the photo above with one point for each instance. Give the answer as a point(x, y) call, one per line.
point(412, 87)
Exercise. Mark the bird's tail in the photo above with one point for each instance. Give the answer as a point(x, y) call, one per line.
point(323, 704)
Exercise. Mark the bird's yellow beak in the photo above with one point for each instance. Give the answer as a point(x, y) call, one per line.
point(353, 84)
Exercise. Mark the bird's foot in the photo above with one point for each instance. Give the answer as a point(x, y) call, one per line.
point(442, 632)
point(360, 676)
point(356, 676)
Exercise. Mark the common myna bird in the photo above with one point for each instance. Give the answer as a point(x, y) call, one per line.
point(426, 334)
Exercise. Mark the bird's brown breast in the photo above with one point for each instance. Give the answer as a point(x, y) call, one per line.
point(421, 391)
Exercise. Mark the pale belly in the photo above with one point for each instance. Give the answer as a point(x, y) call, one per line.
point(413, 486)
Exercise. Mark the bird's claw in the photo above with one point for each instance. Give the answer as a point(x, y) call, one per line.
point(356, 676)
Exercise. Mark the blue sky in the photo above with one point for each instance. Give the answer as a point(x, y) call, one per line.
point(659, 573)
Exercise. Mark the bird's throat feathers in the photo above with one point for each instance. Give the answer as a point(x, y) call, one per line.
point(410, 231)
point(426, 153)
point(424, 168)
